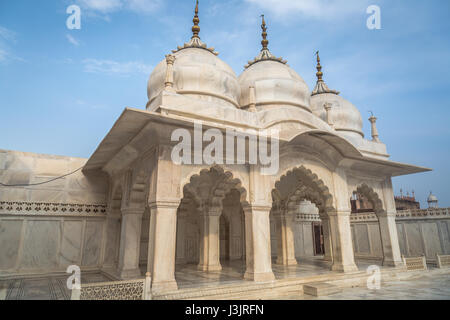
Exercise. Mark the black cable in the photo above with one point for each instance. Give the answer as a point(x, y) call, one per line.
point(40, 183)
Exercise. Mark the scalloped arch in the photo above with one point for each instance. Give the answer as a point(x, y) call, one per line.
point(301, 183)
point(372, 196)
point(218, 182)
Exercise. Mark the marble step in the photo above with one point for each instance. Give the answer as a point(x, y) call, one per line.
point(320, 289)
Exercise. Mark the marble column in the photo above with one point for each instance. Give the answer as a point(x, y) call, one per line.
point(342, 246)
point(257, 234)
point(181, 236)
point(327, 239)
point(210, 240)
point(130, 238)
point(388, 228)
point(285, 238)
point(389, 239)
point(163, 230)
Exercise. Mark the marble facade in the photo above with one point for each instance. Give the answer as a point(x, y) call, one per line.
point(136, 211)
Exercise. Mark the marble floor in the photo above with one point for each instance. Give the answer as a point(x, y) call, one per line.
point(426, 287)
point(232, 272)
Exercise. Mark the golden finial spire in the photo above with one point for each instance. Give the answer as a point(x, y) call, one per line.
point(265, 53)
point(319, 73)
point(321, 86)
point(195, 41)
point(264, 41)
point(196, 27)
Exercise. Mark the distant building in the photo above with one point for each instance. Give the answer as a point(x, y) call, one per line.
point(432, 201)
point(406, 202)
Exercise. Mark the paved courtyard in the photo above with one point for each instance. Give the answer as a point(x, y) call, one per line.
point(425, 287)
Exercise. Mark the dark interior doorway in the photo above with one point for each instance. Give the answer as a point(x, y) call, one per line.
point(319, 248)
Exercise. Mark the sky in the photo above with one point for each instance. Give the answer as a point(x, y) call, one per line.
point(61, 90)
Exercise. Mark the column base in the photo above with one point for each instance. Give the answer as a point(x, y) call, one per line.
point(208, 268)
point(392, 263)
point(290, 262)
point(164, 286)
point(344, 268)
point(259, 277)
point(129, 274)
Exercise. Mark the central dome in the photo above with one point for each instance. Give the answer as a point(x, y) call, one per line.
point(200, 74)
point(275, 84)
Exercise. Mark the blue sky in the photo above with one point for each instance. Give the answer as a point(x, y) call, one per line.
point(61, 90)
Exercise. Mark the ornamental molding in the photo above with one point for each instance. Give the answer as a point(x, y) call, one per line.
point(51, 209)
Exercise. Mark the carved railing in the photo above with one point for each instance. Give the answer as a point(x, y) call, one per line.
point(431, 213)
point(415, 263)
point(51, 209)
point(409, 214)
point(117, 290)
point(443, 261)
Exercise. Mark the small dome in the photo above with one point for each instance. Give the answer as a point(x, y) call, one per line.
point(344, 115)
point(432, 198)
point(275, 85)
point(200, 74)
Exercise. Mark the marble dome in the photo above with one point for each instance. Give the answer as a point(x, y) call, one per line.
point(345, 116)
point(275, 83)
point(197, 73)
point(200, 74)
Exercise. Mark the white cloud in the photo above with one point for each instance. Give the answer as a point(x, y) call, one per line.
point(316, 9)
point(7, 34)
point(143, 6)
point(102, 6)
point(108, 6)
point(72, 40)
point(111, 67)
point(6, 38)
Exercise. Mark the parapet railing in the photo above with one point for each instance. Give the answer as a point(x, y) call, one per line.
point(409, 214)
point(139, 289)
point(415, 263)
point(443, 261)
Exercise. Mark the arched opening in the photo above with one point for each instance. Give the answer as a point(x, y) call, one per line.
point(299, 218)
point(366, 233)
point(211, 229)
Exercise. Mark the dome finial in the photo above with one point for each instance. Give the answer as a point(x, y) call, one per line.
point(321, 86)
point(264, 42)
point(265, 53)
point(195, 41)
point(319, 73)
point(196, 27)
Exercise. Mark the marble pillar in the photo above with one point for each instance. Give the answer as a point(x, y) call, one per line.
point(130, 238)
point(342, 246)
point(162, 249)
point(285, 238)
point(327, 239)
point(389, 239)
point(210, 241)
point(257, 234)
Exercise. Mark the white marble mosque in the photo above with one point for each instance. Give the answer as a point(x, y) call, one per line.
point(130, 211)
